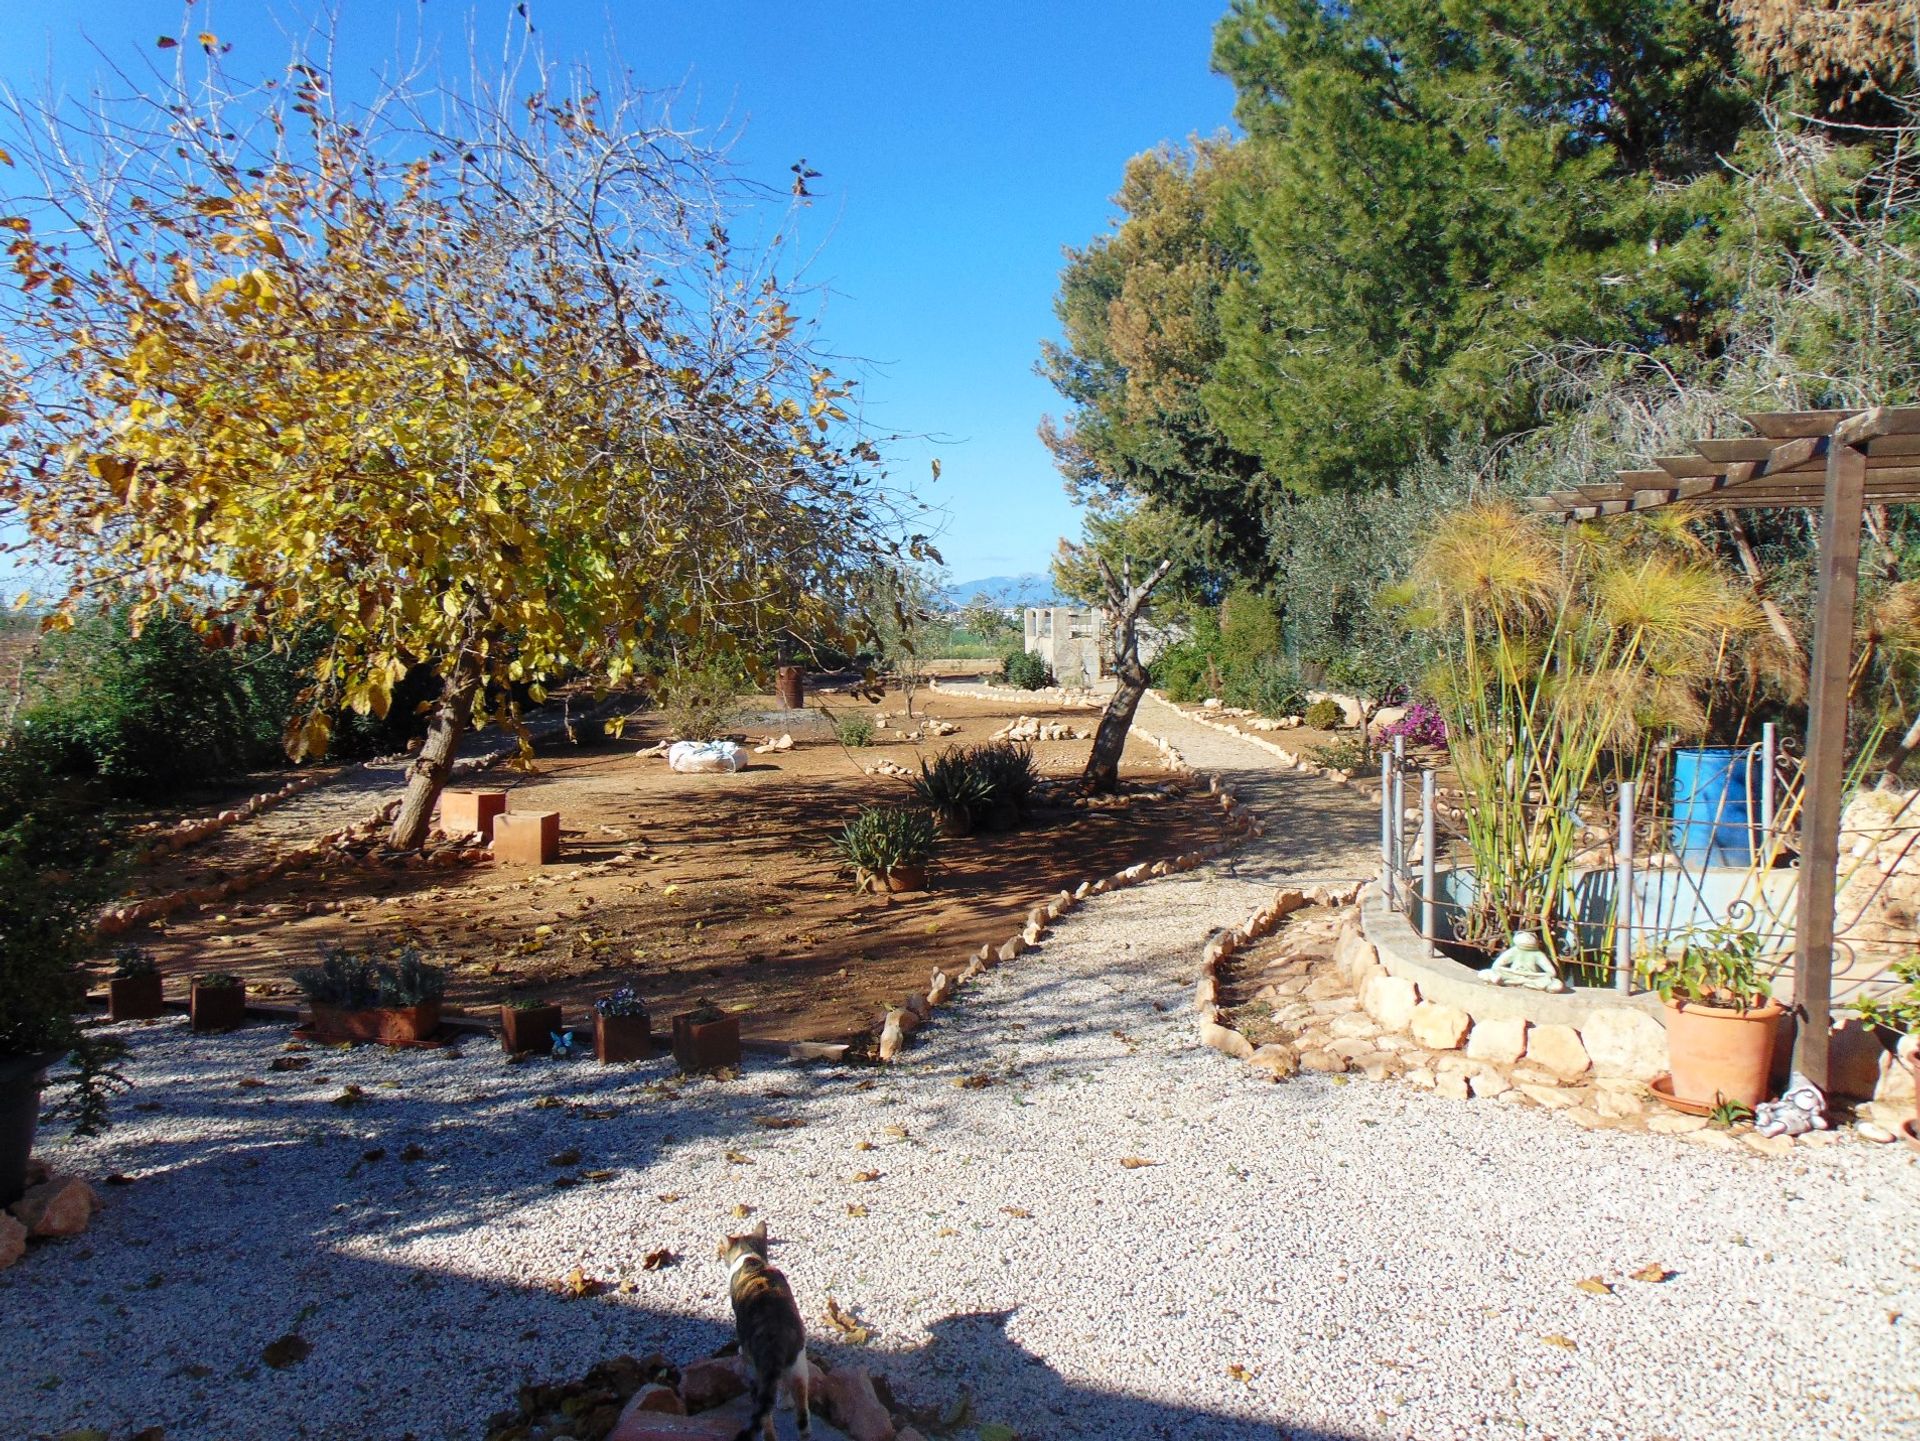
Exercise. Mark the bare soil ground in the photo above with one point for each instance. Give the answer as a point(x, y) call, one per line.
point(687, 886)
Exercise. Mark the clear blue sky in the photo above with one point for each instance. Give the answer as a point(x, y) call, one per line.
point(961, 146)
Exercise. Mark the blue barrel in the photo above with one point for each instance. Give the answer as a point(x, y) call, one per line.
point(1713, 787)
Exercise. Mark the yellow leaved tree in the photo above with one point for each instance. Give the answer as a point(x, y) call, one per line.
point(475, 379)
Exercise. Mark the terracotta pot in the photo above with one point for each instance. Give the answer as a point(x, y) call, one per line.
point(706, 1045)
point(907, 878)
point(133, 998)
point(1719, 1053)
point(622, 1038)
point(383, 1025)
point(217, 1008)
point(530, 1029)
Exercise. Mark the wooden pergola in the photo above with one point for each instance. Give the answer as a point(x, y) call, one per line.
point(1841, 461)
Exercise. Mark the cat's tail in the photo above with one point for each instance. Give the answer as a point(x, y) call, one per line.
point(766, 1390)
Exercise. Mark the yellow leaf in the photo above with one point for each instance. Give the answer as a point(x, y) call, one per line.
point(1134, 1163)
point(1653, 1271)
point(1593, 1286)
point(1564, 1343)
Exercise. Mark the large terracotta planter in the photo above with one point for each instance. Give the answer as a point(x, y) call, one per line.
point(217, 1008)
point(1719, 1053)
point(133, 998)
point(22, 1078)
point(381, 1025)
point(907, 878)
point(706, 1045)
point(528, 1029)
point(622, 1038)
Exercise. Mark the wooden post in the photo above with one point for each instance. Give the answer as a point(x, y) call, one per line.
point(1826, 765)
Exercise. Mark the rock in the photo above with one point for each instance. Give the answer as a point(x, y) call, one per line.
point(1325, 986)
point(1552, 1097)
point(713, 1382)
point(1439, 1028)
point(1454, 1087)
point(1712, 1140)
point(1354, 1026)
point(1487, 1083)
point(1616, 1105)
point(1558, 1049)
point(59, 1207)
point(1277, 1060)
point(1225, 1040)
point(852, 1405)
point(657, 1426)
point(940, 988)
point(893, 1036)
point(1422, 1077)
point(1378, 1066)
point(658, 1398)
point(1352, 1049)
point(1673, 1123)
point(1324, 1061)
point(1014, 946)
point(1625, 1042)
point(1587, 1118)
point(1768, 1145)
point(1387, 715)
point(13, 1239)
point(1500, 1040)
point(1866, 1130)
point(1390, 1001)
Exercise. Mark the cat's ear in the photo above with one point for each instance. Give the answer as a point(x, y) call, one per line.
point(759, 1231)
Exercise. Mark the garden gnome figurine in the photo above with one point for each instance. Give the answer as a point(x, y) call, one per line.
point(1801, 1109)
point(1524, 964)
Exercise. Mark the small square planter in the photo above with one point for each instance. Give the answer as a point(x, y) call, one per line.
point(133, 998)
point(622, 1038)
point(706, 1045)
point(217, 1008)
point(380, 1025)
point(530, 1029)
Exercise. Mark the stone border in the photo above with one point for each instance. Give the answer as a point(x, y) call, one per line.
point(181, 834)
point(1289, 760)
point(1274, 1060)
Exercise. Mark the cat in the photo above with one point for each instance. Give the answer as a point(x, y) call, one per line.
point(772, 1337)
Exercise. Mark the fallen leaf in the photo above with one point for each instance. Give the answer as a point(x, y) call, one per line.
point(577, 1284)
point(779, 1123)
point(742, 1210)
point(851, 1331)
point(1653, 1271)
point(250, 1083)
point(860, 1178)
point(566, 1183)
point(1241, 1374)
point(658, 1260)
point(1556, 1339)
point(288, 1063)
point(290, 1350)
point(1593, 1286)
point(1134, 1163)
point(1018, 1212)
point(568, 1157)
point(738, 1159)
point(974, 1083)
point(596, 1175)
point(669, 1197)
point(548, 1103)
point(413, 1151)
point(116, 1179)
point(854, 1208)
point(352, 1096)
point(899, 1133)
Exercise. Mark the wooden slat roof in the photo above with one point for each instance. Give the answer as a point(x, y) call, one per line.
point(1783, 464)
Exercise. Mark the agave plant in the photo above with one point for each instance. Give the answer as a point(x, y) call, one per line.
point(882, 839)
point(955, 788)
point(1008, 772)
point(1560, 653)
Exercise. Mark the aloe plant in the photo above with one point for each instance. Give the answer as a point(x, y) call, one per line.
point(881, 839)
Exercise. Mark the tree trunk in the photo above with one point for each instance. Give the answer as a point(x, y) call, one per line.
point(428, 776)
point(1125, 602)
point(1776, 620)
point(1103, 765)
point(1902, 753)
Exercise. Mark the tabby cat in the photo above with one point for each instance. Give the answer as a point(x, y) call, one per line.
point(772, 1337)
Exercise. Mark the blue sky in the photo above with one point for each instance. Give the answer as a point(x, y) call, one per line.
point(960, 146)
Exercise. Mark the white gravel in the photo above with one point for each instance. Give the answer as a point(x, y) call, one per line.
point(1309, 1260)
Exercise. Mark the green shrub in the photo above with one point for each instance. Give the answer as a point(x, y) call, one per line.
point(699, 697)
point(882, 838)
point(1009, 777)
point(955, 788)
point(1324, 715)
point(1271, 685)
point(854, 731)
point(57, 865)
point(364, 980)
point(1025, 670)
point(1349, 754)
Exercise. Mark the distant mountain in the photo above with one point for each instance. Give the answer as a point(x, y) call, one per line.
point(1032, 588)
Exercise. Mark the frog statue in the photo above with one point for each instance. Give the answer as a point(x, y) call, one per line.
point(1524, 964)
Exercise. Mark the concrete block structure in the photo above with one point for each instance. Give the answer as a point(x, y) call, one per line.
point(527, 838)
point(464, 813)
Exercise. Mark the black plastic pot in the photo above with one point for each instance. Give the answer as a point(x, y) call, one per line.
point(22, 1079)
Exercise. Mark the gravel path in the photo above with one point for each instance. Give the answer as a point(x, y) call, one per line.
point(1311, 1260)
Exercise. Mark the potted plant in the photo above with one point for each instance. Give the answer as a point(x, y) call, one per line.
point(357, 996)
point(1898, 1015)
point(217, 1001)
point(888, 847)
point(706, 1038)
point(1721, 1015)
point(622, 1028)
point(56, 867)
point(133, 991)
point(528, 1025)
